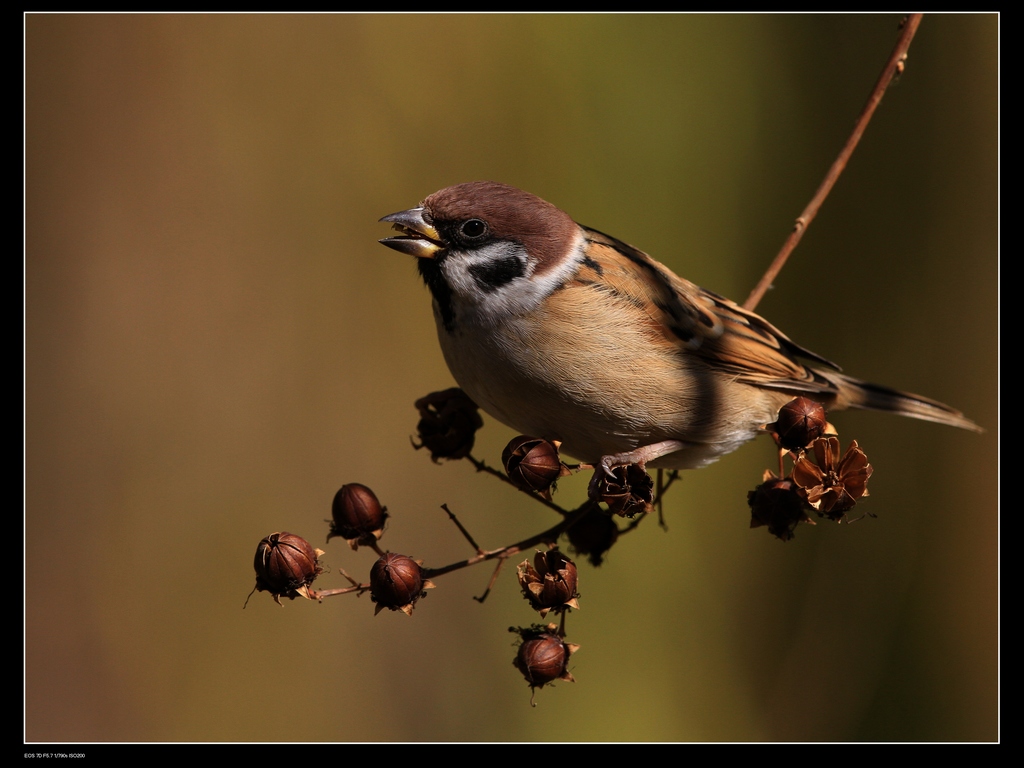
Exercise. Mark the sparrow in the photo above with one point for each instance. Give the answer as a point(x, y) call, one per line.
point(565, 333)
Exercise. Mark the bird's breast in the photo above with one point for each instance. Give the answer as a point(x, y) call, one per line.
point(596, 375)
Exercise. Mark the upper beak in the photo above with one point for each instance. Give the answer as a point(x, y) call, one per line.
point(418, 238)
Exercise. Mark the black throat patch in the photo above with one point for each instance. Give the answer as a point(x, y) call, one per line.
point(433, 276)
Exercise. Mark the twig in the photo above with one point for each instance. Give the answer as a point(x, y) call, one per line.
point(893, 67)
point(549, 536)
point(318, 594)
point(351, 581)
point(494, 578)
point(663, 486)
point(462, 529)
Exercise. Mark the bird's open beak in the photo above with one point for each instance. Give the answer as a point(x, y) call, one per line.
point(418, 238)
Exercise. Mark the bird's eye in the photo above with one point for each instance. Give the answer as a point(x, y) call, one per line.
point(473, 229)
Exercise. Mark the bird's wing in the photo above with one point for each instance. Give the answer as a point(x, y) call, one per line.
point(716, 330)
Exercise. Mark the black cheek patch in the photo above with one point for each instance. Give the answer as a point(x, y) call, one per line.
point(494, 274)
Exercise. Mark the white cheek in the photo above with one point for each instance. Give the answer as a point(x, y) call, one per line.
point(518, 296)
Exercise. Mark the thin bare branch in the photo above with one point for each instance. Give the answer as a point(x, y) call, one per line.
point(893, 67)
point(662, 487)
point(494, 578)
point(550, 536)
point(350, 580)
point(318, 594)
point(462, 529)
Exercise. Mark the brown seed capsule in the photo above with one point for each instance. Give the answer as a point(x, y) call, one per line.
point(551, 585)
point(543, 656)
point(593, 535)
point(777, 503)
point(532, 464)
point(286, 565)
point(448, 424)
point(833, 486)
point(628, 492)
point(801, 421)
point(358, 515)
point(397, 582)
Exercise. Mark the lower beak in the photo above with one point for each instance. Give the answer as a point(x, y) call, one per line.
point(418, 238)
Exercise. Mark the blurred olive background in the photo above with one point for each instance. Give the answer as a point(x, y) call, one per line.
point(215, 343)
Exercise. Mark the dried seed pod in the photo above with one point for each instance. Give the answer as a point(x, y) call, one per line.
point(801, 421)
point(358, 516)
point(834, 485)
point(543, 656)
point(286, 565)
point(448, 424)
point(593, 535)
point(397, 582)
point(551, 585)
point(778, 503)
point(532, 464)
point(628, 492)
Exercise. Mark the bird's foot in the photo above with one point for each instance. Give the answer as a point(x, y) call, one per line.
point(639, 456)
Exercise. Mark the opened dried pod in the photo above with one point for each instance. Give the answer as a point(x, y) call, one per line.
point(834, 484)
point(628, 492)
point(778, 504)
point(448, 424)
point(593, 535)
point(550, 583)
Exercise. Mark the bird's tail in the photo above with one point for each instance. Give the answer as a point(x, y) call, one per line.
point(854, 393)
